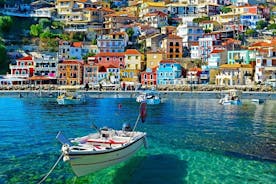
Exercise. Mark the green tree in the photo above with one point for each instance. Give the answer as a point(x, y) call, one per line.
point(45, 23)
point(271, 26)
point(198, 20)
point(57, 25)
point(36, 30)
point(207, 31)
point(94, 42)
point(5, 23)
point(90, 54)
point(4, 67)
point(130, 32)
point(250, 32)
point(225, 9)
point(261, 24)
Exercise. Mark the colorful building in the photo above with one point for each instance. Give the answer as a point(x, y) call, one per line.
point(149, 77)
point(168, 72)
point(70, 72)
point(106, 59)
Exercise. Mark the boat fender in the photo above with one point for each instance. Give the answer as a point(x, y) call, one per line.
point(65, 149)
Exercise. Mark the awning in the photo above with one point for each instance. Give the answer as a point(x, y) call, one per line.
point(38, 78)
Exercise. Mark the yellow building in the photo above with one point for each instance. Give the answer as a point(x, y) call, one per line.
point(154, 58)
point(235, 74)
point(133, 59)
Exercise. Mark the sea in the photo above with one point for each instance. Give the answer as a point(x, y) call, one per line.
point(189, 141)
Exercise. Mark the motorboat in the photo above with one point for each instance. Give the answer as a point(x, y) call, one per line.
point(231, 97)
point(70, 96)
point(258, 101)
point(104, 148)
point(151, 97)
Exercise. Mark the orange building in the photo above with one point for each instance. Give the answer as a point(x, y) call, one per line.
point(70, 72)
point(174, 46)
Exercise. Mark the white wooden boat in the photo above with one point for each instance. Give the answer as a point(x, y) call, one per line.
point(102, 149)
point(151, 97)
point(70, 96)
point(231, 97)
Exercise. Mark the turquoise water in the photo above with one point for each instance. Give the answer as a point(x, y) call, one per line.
point(189, 141)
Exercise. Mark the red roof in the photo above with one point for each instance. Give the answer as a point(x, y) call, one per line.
point(195, 69)
point(171, 36)
point(195, 44)
point(77, 44)
point(132, 52)
point(26, 58)
point(72, 62)
point(215, 51)
point(110, 54)
point(34, 78)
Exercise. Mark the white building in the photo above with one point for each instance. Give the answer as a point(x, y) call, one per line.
point(189, 31)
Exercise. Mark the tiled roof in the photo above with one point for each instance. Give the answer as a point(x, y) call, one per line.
point(195, 44)
point(77, 44)
point(195, 69)
point(132, 52)
point(71, 62)
point(26, 58)
point(111, 66)
point(34, 78)
point(110, 54)
point(172, 36)
point(157, 13)
point(215, 51)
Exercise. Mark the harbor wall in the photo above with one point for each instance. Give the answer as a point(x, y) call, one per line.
point(134, 94)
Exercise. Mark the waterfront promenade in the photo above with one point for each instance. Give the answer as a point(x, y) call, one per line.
point(183, 91)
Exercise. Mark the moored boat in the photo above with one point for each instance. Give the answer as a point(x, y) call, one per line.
point(231, 97)
point(258, 101)
point(104, 148)
point(70, 96)
point(151, 97)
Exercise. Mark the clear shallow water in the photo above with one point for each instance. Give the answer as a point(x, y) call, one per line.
point(190, 141)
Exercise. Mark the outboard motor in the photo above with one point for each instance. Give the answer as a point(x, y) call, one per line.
point(126, 127)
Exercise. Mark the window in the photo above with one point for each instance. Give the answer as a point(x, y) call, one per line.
point(145, 76)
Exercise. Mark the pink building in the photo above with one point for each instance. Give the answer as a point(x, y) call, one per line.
point(149, 77)
point(106, 59)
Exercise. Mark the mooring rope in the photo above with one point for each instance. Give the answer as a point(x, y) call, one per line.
point(51, 170)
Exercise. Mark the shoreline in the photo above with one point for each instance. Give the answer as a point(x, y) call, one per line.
point(133, 94)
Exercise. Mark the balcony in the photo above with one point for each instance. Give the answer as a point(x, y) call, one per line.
point(16, 67)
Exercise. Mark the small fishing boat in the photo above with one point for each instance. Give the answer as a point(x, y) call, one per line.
point(258, 101)
point(70, 96)
point(104, 148)
point(151, 97)
point(231, 97)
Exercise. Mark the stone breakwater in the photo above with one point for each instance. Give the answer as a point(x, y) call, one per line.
point(134, 94)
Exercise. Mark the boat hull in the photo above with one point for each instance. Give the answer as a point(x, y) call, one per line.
point(83, 164)
point(153, 101)
point(65, 101)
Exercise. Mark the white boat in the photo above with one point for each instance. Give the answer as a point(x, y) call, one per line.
point(151, 97)
point(100, 150)
point(231, 97)
point(258, 101)
point(70, 96)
